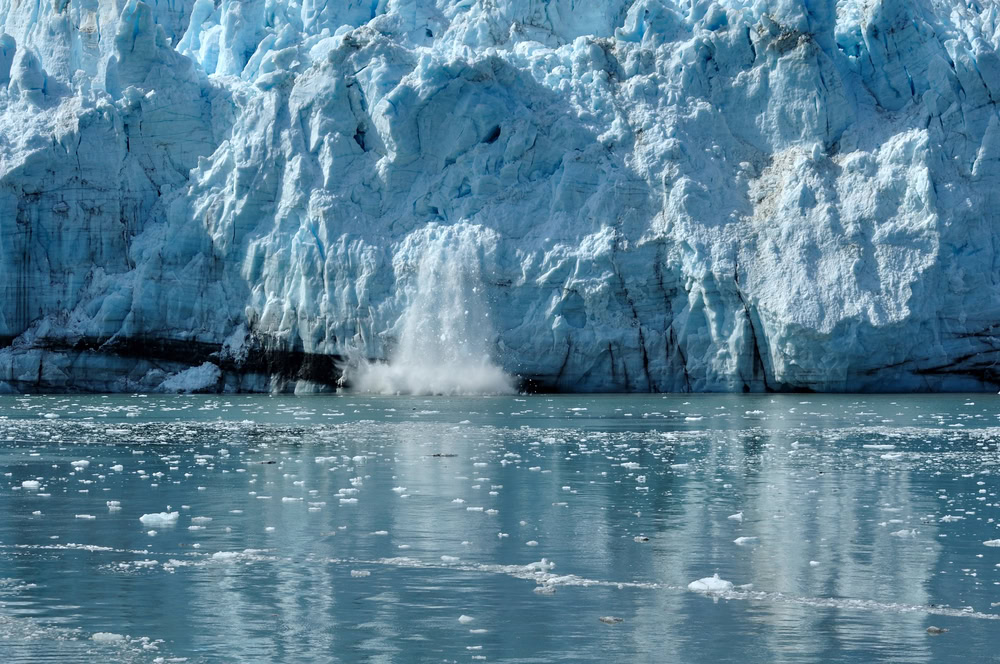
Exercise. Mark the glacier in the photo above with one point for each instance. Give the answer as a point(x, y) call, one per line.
point(626, 195)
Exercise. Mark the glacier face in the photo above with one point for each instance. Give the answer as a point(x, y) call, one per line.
point(645, 194)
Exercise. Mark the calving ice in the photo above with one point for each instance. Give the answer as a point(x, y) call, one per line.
point(444, 334)
point(443, 195)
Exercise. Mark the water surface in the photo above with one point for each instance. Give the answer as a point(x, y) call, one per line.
point(361, 529)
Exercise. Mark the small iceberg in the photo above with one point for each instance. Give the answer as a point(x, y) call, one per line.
point(711, 585)
point(107, 637)
point(159, 518)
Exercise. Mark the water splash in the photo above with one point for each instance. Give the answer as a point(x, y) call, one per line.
point(445, 333)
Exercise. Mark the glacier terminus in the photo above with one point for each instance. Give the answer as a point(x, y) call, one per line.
point(624, 195)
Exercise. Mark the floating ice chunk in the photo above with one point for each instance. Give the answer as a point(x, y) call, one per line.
point(86, 517)
point(399, 489)
point(464, 619)
point(542, 565)
point(531, 543)
point(813, 563)
point(736, 517)
point(30, 484)
point(159, 518)
point(611, 620)
point(905, 533)
point(892, 456)
point(151, 533)
point(225, 556)
point(741, 541)
point(81, 464)
point(107, 637)
point(450, 559)
point(201, 519)
point(348, 501)
point(995, 542)
point(679, 466)
point(948, 518)
point(711, 585)
point(359, 573)
point(879, 447)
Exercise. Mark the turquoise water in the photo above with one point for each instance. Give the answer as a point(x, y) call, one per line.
point(379, 529)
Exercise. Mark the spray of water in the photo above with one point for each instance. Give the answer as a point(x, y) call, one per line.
point(445, 333)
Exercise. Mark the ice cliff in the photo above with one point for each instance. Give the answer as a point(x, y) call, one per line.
point(643, 194)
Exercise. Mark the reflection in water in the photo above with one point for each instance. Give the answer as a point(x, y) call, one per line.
point(361, 528)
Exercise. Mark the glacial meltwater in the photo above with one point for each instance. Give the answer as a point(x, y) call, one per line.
point(350, 528)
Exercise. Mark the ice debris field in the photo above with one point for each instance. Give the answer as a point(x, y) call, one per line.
point(627, 195)
point(235, 529)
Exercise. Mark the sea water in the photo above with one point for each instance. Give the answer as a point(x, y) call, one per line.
point(752, 528)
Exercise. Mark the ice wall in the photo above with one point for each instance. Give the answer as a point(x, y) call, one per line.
point(669, 195)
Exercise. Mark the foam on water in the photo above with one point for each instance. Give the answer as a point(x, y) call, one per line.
point(712, 586)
